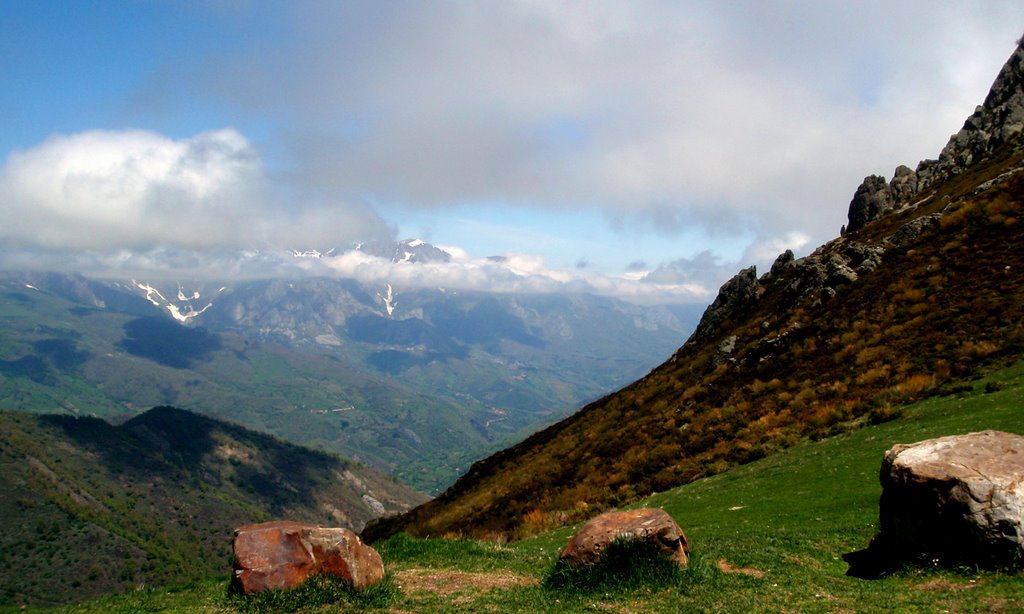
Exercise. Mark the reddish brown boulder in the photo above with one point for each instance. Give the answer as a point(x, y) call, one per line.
point(282, 554)
point(959, 498)
point(653, 526)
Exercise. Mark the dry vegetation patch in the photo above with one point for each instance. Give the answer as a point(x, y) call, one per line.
point(945, 585)
point(453, 582)
point(726, 567)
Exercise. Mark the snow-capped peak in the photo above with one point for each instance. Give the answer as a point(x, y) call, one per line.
point(313, 253)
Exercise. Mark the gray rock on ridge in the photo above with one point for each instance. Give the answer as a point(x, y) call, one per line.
point(817, 278)
point(998, 120)
point(733, 297)
point(872, 199)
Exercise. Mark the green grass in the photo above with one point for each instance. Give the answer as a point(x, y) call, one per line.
point(780, 525)
point(624, 564)
point(318, 592)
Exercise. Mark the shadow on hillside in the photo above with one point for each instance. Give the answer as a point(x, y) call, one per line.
point(180, 446)
point(52, 356)
point(169, 343)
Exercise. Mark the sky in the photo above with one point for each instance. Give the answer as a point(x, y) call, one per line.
point(645, 150)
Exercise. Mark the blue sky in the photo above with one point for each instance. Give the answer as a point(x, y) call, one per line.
point(598, 141)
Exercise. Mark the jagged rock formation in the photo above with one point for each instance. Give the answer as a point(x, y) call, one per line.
point(999, 120)
point(733, 296)
point(872, 198)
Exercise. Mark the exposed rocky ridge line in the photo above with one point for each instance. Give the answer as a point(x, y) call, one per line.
point(996, 122)
point(820, 275)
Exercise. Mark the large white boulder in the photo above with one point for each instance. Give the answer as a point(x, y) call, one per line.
point(957, 499)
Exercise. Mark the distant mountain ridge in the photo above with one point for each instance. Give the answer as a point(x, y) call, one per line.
point(924, 288)
point(90, 508)
point(431, 378)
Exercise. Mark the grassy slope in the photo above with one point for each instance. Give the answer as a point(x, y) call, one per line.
point(791, 516)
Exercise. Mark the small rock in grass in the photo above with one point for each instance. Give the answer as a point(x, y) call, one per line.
point(648, 525)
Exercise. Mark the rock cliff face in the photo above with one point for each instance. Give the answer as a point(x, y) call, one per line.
point(997, 121)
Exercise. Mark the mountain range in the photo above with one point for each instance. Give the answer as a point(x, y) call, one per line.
point(415, 382)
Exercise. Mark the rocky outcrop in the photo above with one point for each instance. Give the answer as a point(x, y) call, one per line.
point(734, 296)
point(914, 228)
point(282, 554)
point(653, 526)
point(819, 276)
point(997, 121)
point(872, 199)
point(958, 499)
point(875, 197)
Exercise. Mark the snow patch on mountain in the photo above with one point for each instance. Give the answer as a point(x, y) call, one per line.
point(314, 254)
point(150, 292)
point(181, 312)
point(186, 315)
point(389, 300)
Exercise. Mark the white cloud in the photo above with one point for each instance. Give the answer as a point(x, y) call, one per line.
point(110, 190)
point(764, 252)
point(519, 273)
point(664, 114)
point(131, 189)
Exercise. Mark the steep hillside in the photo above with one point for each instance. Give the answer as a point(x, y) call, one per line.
point(924, 289)
point(89, 508)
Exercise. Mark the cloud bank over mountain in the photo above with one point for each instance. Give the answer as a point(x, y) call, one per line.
point(703, 136)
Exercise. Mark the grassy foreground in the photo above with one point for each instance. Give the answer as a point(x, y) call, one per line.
point(768, 536)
